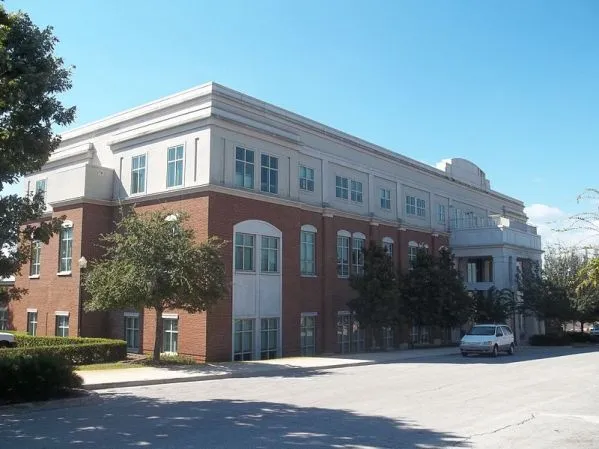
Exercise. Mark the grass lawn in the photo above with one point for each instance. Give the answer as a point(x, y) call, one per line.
point(105, 366)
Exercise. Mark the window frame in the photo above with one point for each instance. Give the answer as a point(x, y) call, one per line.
point(270, 252)
point(67, 227)
point(358, 244)
point(420, 208)
point(245, 165)
point(139, 169)
point(343, 264)
point(305, 348)
point(356, 194)
point(174, 334)
point(385, 198)
point(44, 182)
point(412, 254)
point(272, 333)
point(270, 172)
point(59, 329)
point(135, 331)
point(441, 214)
point(175, 161)
point(244, 353)
point(36, 259)
point(32, 322)
point(410, 205)
point(307, 248)
point(3, 318)
point(342, 188)
point(306, 179)
point(243, 246)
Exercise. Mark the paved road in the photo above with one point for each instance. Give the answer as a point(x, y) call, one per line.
point(540, 398)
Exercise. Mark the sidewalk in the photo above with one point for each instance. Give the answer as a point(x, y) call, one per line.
point(292, 366)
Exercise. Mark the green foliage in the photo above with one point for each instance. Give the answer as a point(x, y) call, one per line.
point(582, 337)
point(377, 300)
point(27, 377)
point(170, 360)
point(30, 79)
point(152, 261)
point(456, 303)
point(75, 354)
point(549, 340)
point(493, 306)
point(30, 341)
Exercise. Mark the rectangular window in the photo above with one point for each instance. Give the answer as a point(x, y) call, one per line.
point(269, 174)
point(420, 335)
point(40, 186)
point(3, 319)
point(174, 170)
point(269, 338)
point(62, 325)
point(357, 259)
point(308, 334)
point(244, 168)
point(306, 178)
point(34, 264)
point(388, 247)
point(420, 207)
point(412, 254)
point(307, 251)
point(410, 205)
point(66, 249)
point(132, 333)
point(358, 337)
point(270, 255)
point(341, 187)
point(385, 199)
point(441, 215)
point(243, 345)
point(138, 174)
point(244, 252)
point(344, 332)
point(32, 323)
point(356, 191)
point(387, 337)
point(170, 335)
point(342, 256)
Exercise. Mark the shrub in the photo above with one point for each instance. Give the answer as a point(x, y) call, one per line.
point(75, 354)
point(582, 337)
point(25, 377)
point(28, 341)
point(549, 340)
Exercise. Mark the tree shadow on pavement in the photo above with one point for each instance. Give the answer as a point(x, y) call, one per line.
point(117, 421)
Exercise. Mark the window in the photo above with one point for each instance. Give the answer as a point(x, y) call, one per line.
point(420, 207)
point(386, 199)
point(269, 174)
point(441, 216)
point(3, 319)
point(244, 168)
point(132, 332)
point(479, 270)
point(244, 252)
point(410, 205)
point(387, 337)
point(32, 323)
point(40, 186)
point(412, 255)
point(357, 259)
point(36, 252)
point(306, 178)
point(342, 256)
point(269, 338)
point(66, 249)
point(341, 187)
point(343, 332)
point(308, 334)
point(388, 247)
point(307, 250)
point(138, 174)
point(420, 335)
point(243, 347)
point(356, 191)
point(174, 170)
point(170, 335)
point(270, 255)
point(358, 338)
point(62, 326)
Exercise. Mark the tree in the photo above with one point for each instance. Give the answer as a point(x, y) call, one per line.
point(456, 304)
point(493, 305)
point(153, 262)
point(376, 304)
point(30, 79)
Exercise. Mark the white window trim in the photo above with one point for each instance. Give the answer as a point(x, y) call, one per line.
point(170, 316)
point(361, 191)
point(313, 230)
point(64, 273)
point(62, 313)
point(388, 240)
point(184, 145)
point(269, 155)
point(358, 235)
point(305, 191)
point(309, 314)
point(245, 149)
point(67, 224)
point(31, 310)
point(146, 172)
point(348, 179)
point(309, 228)
point(133, 314)
point(413, 244)
point(386, 209)
point(343, 233)
point(35, 276)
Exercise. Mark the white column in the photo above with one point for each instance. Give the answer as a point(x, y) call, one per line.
point(324, 174)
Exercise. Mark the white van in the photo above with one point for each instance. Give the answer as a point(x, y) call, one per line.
point(488, 339)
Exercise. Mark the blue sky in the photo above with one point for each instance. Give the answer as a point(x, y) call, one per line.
point(512, 86)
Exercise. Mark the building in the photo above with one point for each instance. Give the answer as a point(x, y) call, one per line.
point(296, 199)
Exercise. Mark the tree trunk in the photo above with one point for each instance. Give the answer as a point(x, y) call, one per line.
point(158, 335)
point(581, 326)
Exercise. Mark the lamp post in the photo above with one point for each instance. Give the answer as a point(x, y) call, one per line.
point(82, 268)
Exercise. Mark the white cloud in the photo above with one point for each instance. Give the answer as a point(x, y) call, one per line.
point(441, 164)
point(557, 227)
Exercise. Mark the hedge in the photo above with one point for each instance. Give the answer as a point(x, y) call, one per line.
point(583, 337)
point(34, 378)
point(74, 354)
point(549, 340)
point(27, 341)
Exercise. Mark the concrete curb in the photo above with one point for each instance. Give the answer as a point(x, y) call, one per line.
point(86, 398)
point(272, 372)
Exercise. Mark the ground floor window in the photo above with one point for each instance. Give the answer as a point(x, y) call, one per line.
point(387, 337)
point(269, 338)
point(420, 335)
point(170, 335)
point(308, 334)
point(32, 323)
point(62, 326)
point(350, 337)
point(132, 333)
point(358, 337)
point(243, 340)
point(3, 319)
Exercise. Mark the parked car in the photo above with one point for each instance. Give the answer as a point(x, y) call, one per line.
point(595, 330)
point(7, 340)
point(488, 339)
